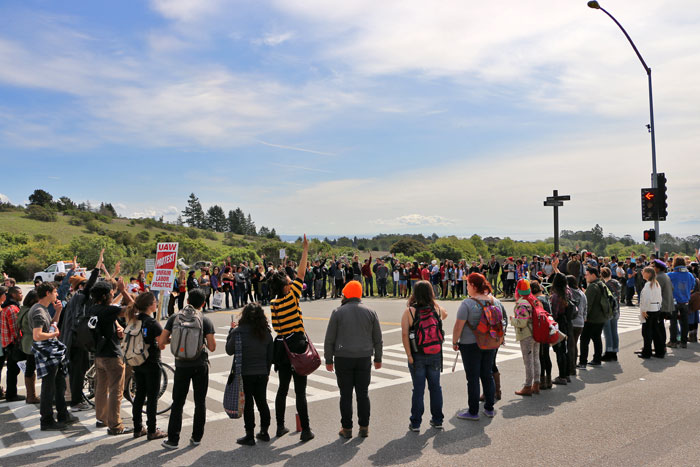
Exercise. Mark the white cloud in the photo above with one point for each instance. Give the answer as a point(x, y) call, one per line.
point(4, 198)
point(415, 220)
point(274, 39)
point(186, 10)
point(169, 213)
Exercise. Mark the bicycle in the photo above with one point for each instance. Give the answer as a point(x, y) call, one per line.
point(167, 373)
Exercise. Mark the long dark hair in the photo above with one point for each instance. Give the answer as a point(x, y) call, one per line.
point(559, 285)
point(140, 305)
point(276, 283)
point(422, 295)
point(254, 316)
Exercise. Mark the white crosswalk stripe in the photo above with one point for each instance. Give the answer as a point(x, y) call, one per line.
point(321, 386)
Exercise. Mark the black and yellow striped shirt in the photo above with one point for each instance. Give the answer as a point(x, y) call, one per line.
point(285, 311)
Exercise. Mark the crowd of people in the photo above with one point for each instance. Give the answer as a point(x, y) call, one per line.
point(55, 331)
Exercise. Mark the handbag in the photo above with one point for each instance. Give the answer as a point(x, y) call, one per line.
point(234, 398)
point(306, 362)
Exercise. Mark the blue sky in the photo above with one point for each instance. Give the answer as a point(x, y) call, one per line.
point(354, 118)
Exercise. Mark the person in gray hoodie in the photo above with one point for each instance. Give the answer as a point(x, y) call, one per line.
point(353, 335)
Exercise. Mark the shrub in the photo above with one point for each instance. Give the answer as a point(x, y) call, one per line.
point(92, 226)
point(75, 221)
point(39, 213)
point(143, 236)
point(208, 234)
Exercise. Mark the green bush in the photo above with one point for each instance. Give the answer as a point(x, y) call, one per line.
point(39, 213)
point(208, 234)
point(75, 221)
point(92, 226)
point(143, 236)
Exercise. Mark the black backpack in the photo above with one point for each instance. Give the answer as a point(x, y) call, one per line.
point(86, 336)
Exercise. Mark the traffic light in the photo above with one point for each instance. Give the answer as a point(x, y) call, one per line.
point(650, 235)
point(649, 209)
point(661, 197)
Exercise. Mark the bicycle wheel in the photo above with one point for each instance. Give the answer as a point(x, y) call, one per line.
point(165, 401)
point(89, 386)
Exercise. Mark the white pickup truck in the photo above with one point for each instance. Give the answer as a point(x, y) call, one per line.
point(49, 273)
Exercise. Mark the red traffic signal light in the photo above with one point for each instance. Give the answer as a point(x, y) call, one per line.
point(649, 196)
point(649, 208)
point(650, 235)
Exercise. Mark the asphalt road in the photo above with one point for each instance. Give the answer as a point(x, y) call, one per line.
point(629, 413)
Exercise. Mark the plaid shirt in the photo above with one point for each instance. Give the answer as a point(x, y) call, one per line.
point(47, 354)
point(9, 329)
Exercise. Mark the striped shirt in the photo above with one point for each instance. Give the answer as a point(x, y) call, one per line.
point(286, 314)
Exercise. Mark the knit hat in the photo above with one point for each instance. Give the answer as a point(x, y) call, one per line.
point(660, 264)
point(353, 289)
point(523, 287)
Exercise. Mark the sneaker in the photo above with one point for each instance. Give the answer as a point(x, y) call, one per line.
point(167, 444)
point(490, 413)
point(100, 424)
point(436, 425)
point(466, 415)
point(559, 380)
point(281, 431)
point(156, 435)
point(595, 363)
point(194, 442)
point(306, 435)
point(247, 440)
point(69, 420)
point(53, 427)
point(120, 431)
point(83, 406)
point(263, 436)
point(413, 428)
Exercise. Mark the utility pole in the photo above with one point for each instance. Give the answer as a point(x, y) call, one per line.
point(556, 201)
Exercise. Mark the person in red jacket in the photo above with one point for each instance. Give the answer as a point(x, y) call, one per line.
point(368, 289)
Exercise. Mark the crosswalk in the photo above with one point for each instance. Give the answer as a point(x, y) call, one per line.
point(26, 436)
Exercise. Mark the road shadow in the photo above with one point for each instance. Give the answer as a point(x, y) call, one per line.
point(336, 453)
point(402, 450)
point(247, 456)
point(541, 404)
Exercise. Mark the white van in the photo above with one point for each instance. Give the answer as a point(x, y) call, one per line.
point(49, 273)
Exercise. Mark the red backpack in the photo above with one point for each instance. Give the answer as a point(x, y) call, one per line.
point(427, 326)
point(489, 332)
point(541, 325)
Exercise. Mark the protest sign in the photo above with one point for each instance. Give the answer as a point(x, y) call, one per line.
point(150, 270)
point(164, 274)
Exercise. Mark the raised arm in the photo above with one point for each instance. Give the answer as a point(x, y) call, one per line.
point(301, 270)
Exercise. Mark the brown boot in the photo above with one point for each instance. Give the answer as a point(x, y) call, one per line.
point(535, 388)
point(29, 383)
point(525, 391)
point(497, 380)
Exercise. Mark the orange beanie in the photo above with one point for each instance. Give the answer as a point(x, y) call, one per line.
point(353, 290)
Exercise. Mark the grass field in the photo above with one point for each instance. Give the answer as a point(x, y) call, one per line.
point(16, 222)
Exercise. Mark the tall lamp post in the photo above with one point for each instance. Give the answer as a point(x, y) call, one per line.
point(596, 6)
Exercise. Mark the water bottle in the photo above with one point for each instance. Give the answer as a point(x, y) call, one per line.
point(412, 340)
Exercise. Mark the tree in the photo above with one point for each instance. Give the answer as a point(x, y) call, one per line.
point(40, 213)
point(273, 234)
point(193, 213)
point(250, 226)
point(64, 203)
point(407, 246)
point(264, 231)
point(107, 210)
point(41, 198)
point(216, 219)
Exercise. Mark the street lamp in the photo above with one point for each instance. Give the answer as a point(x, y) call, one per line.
point(596, 6)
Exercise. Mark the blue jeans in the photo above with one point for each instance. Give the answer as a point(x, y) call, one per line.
point(426, 367)
point(478, 365)
point(612, 339)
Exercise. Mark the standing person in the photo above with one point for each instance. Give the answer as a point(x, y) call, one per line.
point(579, 298)
point(146, 375)
point(228, 282)
point(683, 284)
point(667, 303)
point(396, 278)
point(612, 338)
point(49, 354)
point(109, 363)
point(356, 270)
point(595, 319)
point(509, 270)
point(545, 358)
point(352, 337)
point(256, 353)
point(478, 363)
point(522, 322)
point(650, 305)
point(494, 269)
point(205, 285)
point(423, 366)
point(367, 275)
point(180, 287)
point(560, 297)
point(25, 326)
point(11, 345)
point(338, 280)
point(382, 277)
point(289, 325)
point(194, 369)
point(215, 280)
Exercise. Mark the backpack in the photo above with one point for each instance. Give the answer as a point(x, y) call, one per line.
point(187, 341)
point(607, 302)
point(134, 346)
point(85, 333)
point(489, 332)
point(572, 306)
point(542, 325)
point(427, 326)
